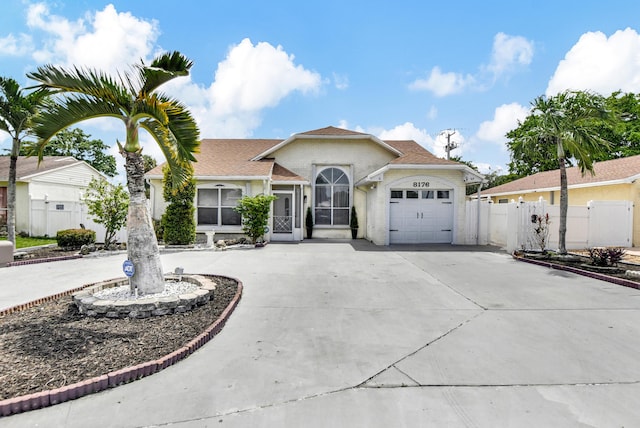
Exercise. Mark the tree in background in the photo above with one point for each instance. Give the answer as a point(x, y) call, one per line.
point(134, 99)
point(255, 215)
point(108, 204)
point(178, 221)
point(77, 144)
point(621, 128)
point(17, 109)
point(565, 126)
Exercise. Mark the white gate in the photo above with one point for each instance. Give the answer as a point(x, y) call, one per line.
point(599, 224)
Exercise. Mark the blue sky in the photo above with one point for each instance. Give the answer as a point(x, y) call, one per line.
point(398, 70)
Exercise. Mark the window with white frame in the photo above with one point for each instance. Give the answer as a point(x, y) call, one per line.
point(215, 207)
point(332, 199)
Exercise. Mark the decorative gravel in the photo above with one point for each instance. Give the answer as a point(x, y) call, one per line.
point(172, 288)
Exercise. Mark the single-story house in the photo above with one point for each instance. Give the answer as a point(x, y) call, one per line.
point(614, 180)
point(56, 183)
point(402, 193)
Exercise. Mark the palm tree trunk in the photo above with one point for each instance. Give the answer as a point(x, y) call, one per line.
point(142, 245)
point(564, 205)
point(11, 193)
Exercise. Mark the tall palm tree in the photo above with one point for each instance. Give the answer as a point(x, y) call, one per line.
point(82, 94)
point(16, 111)
point(568, 121)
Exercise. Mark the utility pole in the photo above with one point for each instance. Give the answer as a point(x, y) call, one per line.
point(450, 144)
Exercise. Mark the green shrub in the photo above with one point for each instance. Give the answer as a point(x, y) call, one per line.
point(255, 215)
point(75, 238)
point(176, 227)
point(178, 221)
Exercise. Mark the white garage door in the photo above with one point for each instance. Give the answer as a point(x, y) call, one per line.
point(421, 216)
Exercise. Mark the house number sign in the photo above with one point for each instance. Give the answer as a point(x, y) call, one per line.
point(420, 184)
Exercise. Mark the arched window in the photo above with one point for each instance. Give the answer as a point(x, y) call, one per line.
point(332, 197)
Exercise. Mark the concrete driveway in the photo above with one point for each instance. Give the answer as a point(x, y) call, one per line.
point(342, 335)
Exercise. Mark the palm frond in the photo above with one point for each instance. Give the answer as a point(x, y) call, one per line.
point(16, 107)
point(177, 135)
point(162, 69)
point(61, 115)
point(88, 82)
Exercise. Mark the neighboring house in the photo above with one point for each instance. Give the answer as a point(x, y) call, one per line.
point(614, 180)
point(53, 185)
point(402, 193)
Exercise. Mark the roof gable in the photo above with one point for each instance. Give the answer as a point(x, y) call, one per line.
point(606, 172)
point(28, 166)
point(252, 158)
point(330, 132)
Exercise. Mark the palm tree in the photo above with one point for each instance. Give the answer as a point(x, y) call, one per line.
point(16, 111)
point(568, 121)
point(82, 94)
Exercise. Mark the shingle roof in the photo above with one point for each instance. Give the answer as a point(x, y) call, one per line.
point(281, 173)
point(332, 130)
point(414, 154)
point(27, 166)
point(605, 171)
point(234, 157)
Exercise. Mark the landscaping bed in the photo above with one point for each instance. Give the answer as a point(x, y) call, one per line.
point(51, 345)
point(625, 273)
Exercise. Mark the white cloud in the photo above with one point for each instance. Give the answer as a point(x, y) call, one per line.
point(250, 79)
point(505, 119)
point(15, 46)
point(114, 40)
point(601, 64)
point(442, 84)
point(509, 52)
point(254, 77)
point(408, 131)
point(341, 81)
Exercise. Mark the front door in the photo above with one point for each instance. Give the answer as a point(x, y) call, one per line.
point(283, 216)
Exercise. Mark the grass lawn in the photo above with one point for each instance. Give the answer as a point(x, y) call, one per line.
point(30, 241)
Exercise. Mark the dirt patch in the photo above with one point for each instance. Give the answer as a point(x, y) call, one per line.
point(52, 345)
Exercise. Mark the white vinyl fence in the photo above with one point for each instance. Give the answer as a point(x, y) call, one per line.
point(47, 217)
point(514, 225)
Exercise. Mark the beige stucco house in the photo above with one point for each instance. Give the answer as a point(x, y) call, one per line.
point(402, 193)
point(56, 183)
point(614, 180)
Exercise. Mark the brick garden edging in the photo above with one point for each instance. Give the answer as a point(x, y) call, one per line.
point(51, 397)
point(594, 275)
point(47, 260)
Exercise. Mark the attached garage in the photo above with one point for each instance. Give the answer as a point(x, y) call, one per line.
point(421, 216)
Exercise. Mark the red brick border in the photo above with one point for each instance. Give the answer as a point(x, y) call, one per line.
point(42, 399)
point(46, 260)
point(594, 275)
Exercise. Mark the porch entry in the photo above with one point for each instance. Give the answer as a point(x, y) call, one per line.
point(284, 213)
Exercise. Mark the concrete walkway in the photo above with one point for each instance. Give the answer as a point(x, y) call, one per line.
point(342, 335)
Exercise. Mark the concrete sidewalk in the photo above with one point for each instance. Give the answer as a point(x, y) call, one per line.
point(342, 335)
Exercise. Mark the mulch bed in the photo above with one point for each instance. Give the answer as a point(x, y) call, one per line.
point(51, 345)
point(582, 267)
